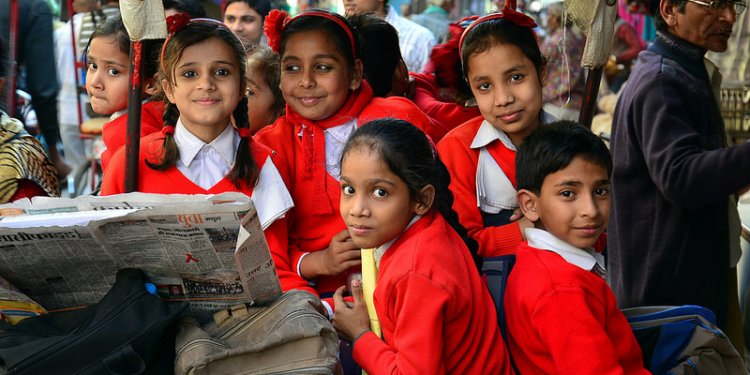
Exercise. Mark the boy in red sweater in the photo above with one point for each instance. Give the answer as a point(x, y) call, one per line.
point(562, 317)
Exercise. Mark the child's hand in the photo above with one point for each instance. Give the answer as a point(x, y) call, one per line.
point(523, 224)
point(350, 319)
point(340, 255)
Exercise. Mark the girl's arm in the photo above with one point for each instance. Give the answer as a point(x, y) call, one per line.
point(277, 237)
point(417, 307)
point(113, 181)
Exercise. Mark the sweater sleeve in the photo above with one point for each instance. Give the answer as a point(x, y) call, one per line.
point(277, 238)
point(493, 241)
point(576, 340)
point(113, 181)
point(418, 308)
point(674, 151)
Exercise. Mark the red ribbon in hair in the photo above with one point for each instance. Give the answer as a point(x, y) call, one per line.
point(508, 14)
point(177, 22)
point(244, 133)
point(276, 20)
point(167, 129)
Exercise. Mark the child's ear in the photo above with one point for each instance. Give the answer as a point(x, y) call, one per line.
point(151, 86)
point(425, 199)
point(400, 80)
point(167, 90)
point(527, 200)
point(357, 73)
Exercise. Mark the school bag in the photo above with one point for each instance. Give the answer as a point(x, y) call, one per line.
point(496, 271)
point(130, 331)
point(684, 339)
point(290, 336)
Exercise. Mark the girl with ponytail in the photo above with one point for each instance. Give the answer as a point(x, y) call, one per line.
point(200, 150)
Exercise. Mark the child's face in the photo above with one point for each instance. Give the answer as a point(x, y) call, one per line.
point(206, 87)
point(315, 76)
point(107, 76)
point(244, 21)
point(375, 203)
point(259, 102)
point(506, 86)
point(573, 204)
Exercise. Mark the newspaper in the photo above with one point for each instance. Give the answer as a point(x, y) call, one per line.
point(208, 250)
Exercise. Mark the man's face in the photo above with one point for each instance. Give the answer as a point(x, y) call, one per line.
point(700, 25)
point(364, 6)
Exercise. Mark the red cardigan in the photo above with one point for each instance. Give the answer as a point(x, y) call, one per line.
point(563, 319)
point(461, 161)
point(310, 231)
point(427, 98)
point(115, 131)
point(436, 313)
point(172, 181)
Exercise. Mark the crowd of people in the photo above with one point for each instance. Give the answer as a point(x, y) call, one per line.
point(437, 142)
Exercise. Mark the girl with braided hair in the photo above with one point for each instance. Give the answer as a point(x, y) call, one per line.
point(199, 151)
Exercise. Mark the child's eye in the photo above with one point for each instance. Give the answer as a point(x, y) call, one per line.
point(483, 86)
point(380, 193)
point(347, 190)
point(250, 93)
point(601, 192)
point(92, 66)
point(516, 77)
point(292, 68)
point(189, 74)
point(567, 194)
point(323, 67)
point(113, 72)
point(222, 72)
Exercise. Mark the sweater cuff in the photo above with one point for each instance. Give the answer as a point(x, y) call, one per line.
point(364, 347)
point(507, 238)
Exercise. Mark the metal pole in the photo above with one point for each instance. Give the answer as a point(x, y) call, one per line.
point(133, 136)
point(588, 108)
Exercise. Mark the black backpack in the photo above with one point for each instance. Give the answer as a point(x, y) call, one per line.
point(130, 331)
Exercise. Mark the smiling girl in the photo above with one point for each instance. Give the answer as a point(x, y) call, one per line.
point(326, 100)
point(199, 151)
point(503, 66)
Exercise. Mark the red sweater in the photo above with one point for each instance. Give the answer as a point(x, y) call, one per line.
point(436, 313)
point(461, 161)
point(115, 131)
point(172, 181)
point(427, 98)
point(315, 218)
point(563, 319)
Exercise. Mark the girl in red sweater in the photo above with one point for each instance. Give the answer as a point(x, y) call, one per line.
point(503, 65)
point(326, 100)
point(108, 79)
point(436, 314)
point(199, 151)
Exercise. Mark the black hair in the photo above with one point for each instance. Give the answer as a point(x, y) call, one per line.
point(553, 147)
point(340, 38)
point(114, 27)
point(193, 8)
point(193, 33)
point(4, 63)
point(263, 7)
point(659, 22)
point(490, 33)
point(408, 153)
point(381, 53)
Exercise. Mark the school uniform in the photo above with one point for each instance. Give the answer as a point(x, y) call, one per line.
point(309, 152)
point(561, 316)
point(427, 97)
point(435, 311)
point(202, 169)
point(114, 132)
point(481, 161)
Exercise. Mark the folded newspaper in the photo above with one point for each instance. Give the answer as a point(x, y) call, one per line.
point(206, 249)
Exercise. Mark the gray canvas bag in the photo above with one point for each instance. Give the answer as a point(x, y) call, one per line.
point(290, 336)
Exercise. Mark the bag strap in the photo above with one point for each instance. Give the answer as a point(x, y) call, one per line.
point(497, 270)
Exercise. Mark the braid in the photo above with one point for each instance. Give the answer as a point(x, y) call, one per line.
point(169, 151)
point(444, 205)
point(245, 167)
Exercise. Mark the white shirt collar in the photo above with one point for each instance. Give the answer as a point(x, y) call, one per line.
point(189, 145)
point(488, 134)
point(390, 14)
point(584, 258)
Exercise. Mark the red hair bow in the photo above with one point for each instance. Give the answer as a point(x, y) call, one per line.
point(508, 14)
point(275, 22)
point(177, 22)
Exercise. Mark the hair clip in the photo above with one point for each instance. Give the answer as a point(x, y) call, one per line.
point(177, 22)
point(275, 22)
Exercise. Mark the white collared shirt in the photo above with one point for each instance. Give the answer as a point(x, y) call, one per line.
point(205, 163)
point(414, 40)
point(583, 258)
point(336, 138)
point(380, 250)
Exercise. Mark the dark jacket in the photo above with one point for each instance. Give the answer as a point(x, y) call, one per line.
point(668, 233)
